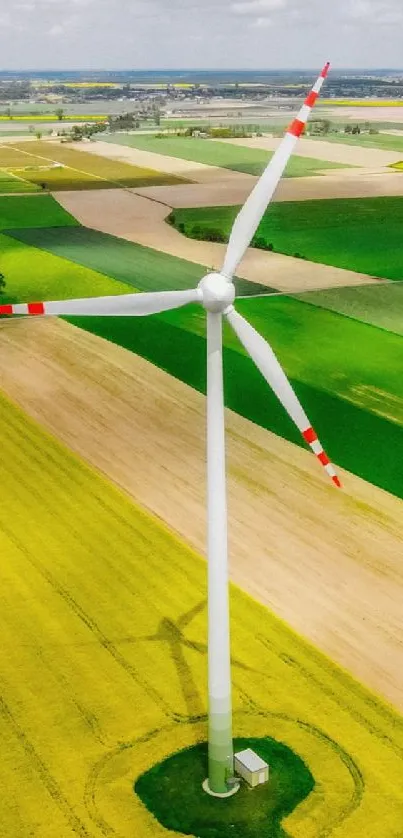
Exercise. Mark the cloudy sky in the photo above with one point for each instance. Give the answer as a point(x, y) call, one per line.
point(41, 34)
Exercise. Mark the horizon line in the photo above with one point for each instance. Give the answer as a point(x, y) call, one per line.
point(183, 69)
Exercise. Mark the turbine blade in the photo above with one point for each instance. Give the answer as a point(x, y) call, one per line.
point(251, 213)
point(124, 305)
point(266, 361)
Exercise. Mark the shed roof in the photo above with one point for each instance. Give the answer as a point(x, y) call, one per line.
point(250, 760)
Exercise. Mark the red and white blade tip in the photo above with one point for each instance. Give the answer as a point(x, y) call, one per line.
point(312, 440)
point(23, 308)
point(298, 125)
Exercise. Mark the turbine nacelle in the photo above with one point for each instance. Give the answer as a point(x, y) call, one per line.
point(217, 292)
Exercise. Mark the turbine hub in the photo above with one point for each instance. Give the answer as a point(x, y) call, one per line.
point(218, 292)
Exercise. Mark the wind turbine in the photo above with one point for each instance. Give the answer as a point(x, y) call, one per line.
point(216, 294)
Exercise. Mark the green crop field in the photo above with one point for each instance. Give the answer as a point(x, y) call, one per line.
point(239, 158)
point(100, 679)
point(32, 274)
point(12, 183)
point(387, 142)
point(35, 211)
point(143, 268)
point(362, 234)
point(378, 305)
point(35, 161)
point(347, 373)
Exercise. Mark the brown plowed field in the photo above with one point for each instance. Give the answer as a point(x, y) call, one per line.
point(327, 561)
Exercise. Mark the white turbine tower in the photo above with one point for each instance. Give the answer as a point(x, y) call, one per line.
point(216, 294)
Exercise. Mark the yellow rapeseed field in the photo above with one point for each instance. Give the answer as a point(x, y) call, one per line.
point(103, 666)
point(51, 117)
point(90, 84)
point(364, 103)
point(78, 84)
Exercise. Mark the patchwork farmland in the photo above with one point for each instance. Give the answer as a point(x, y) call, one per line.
point(142, 268)
point(357, 234)
point(378, 305)
point(212, 153)
point(112, 692)
point(52, 166)
point(345, 381)
point(103, 444)
point(88, 616)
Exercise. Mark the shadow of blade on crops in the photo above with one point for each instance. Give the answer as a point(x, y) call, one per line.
point(171, 633)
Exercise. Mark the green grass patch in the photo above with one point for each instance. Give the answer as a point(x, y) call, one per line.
point(142, 267)
point(386, 142)
point(32, 274)
point(348, 356)
point(36, 211)
point(173, 792)
point(239, 158)
point(10, 184)
point(361, 234)
point(378, 305)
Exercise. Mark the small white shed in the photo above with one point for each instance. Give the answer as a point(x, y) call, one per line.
point(251, 767)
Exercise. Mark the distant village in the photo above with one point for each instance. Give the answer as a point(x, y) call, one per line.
point(129, 104)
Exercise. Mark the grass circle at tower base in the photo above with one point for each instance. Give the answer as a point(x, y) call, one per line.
point(172, 791)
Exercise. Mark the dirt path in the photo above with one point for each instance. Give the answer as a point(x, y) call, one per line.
point(133, 217)
point(371, 158)
point(327, 561)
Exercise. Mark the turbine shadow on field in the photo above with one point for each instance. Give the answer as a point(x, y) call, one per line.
point(172, 633)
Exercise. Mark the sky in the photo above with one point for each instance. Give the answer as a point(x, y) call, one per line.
point(169, 34)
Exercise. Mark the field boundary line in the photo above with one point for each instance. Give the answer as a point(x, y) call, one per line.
point(11, 174)
point(133, 191)
point(382, 281)
point(64, 165)
point(115, 183)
